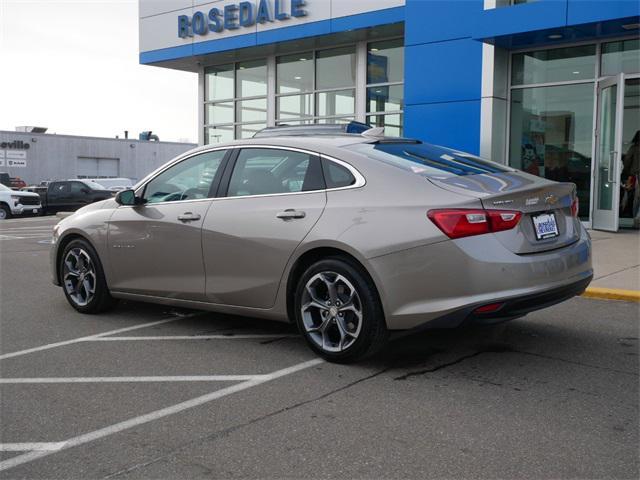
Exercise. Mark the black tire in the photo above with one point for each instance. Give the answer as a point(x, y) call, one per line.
point(6, 212)
point(101, 300)
point(371, 335)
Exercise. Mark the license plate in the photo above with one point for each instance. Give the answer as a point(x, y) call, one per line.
point(545, 226)
point(35, 210)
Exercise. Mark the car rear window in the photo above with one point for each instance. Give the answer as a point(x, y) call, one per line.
point(430, 161)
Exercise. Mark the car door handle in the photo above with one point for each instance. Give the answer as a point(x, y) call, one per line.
point(290, 213)
point(189, 217)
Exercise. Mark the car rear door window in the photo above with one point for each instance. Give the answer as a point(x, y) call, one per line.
point(191, 179)
point(264, 171)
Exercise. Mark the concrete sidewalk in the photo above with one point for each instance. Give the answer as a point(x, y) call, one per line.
point(616, 263)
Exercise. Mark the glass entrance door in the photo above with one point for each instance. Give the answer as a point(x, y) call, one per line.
point(608, 155)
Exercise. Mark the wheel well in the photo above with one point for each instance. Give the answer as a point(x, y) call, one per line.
point(309, 258)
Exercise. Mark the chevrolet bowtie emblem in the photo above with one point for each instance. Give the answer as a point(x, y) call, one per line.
point(551, 200)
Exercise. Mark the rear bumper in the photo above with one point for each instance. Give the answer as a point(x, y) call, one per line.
point(513, 307)
point(440, 285)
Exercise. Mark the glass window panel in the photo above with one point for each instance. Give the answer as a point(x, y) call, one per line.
point(251, 110)
point(392, 123)
point(629, 198)
point(295, 106)
point(385, 61)
point(336, 175)
point(556, 65)
point(552, 133)
point(218, 134)
point(341, 102)
point(251, 79)
point(248, 131)
point(336, 68)
point(219, 112)
point(190, 179)
point(623, 56)
point(262, 171)
point(385, 98)
point(295, 73)
point(219, 82)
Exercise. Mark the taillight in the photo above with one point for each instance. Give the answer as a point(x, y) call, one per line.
point(575, 207)
point(458, 223)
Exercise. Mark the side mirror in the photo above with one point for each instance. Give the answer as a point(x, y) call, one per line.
point(86, 191)
point(127, 197)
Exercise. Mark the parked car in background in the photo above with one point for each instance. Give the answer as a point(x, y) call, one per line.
point(70, 195)
point(348, 236)
point(17, 183)
point(18, 203)
point(114, 184)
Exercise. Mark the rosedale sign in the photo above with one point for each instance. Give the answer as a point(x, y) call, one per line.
point(234, 16)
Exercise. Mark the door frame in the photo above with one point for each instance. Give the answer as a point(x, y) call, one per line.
point(614, 167)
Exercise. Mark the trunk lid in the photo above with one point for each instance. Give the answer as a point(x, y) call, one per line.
point(535, 197)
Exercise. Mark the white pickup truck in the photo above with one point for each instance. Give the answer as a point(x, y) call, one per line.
point(17, 203)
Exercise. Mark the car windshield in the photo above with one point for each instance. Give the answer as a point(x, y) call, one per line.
point(430, 161)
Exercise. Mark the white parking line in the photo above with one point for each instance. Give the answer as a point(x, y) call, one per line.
point(30, 447)
point(91, 337)
point(187, 378)
point(155, 415)
point(193, 337)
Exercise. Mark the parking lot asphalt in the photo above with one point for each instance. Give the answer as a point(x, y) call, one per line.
point(155, 392)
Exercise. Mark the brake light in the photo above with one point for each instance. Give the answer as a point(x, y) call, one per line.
point(575, 207)
point(459, 223)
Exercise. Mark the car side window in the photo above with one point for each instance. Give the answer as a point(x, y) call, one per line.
point(336, 175)
point(190, 179)
point(79, 188)
point(263, 171)
point(59, 188)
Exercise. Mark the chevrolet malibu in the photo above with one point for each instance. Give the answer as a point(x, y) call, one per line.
point(349, 236)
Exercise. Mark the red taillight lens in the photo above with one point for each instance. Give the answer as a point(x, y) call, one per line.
point(458, 223)
point(575, 207)
point(503, 219)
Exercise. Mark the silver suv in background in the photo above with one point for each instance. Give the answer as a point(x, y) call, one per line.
point(351, 236)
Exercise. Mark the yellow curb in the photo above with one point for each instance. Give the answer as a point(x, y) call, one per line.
point(612, 294)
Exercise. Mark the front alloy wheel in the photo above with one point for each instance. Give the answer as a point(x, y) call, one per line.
point(83, 279)
point(79, 276)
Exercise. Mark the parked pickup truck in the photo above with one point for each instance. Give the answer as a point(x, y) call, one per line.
point(70, 195)
point(17, 203)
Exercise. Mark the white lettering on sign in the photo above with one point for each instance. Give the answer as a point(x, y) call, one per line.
point(20, 154)
point(1, 162)
point(1, 153)
point(16, 163)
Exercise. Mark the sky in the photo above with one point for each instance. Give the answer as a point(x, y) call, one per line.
point(72, 66)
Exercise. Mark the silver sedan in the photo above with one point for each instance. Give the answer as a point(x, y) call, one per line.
point(349, 236)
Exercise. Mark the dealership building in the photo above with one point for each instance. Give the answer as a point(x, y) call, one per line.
point(35, 156)
point(548, 86)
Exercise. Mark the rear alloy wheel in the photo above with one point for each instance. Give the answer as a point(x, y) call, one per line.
point(338, 311)
point(83, 279)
